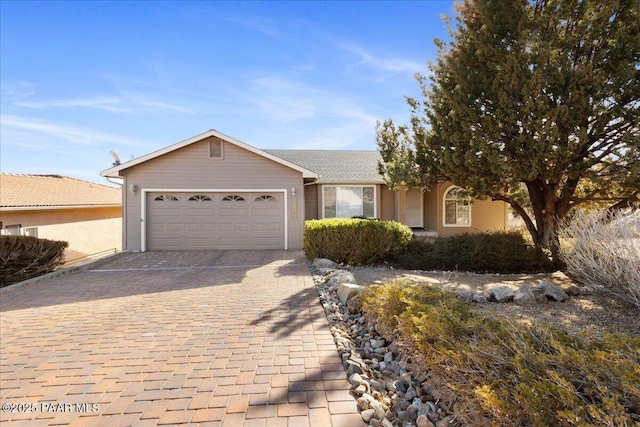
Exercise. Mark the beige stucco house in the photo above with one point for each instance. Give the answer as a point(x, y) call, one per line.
point(86, 215)
point(212, 191)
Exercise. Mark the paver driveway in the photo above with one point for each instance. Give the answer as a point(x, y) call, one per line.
point(219, 338)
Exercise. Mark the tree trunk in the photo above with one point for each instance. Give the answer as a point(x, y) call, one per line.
point(543, 202)
point(547, 237)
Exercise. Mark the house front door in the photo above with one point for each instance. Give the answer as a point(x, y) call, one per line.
point(413, 214)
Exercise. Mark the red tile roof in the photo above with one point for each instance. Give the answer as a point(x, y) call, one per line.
point(21, 191)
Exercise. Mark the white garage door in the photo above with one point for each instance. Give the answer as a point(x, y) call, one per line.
point(215, 220)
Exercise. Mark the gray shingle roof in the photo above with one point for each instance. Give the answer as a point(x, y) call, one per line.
point(345, 166)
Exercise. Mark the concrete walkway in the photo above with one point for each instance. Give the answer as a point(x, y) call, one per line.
point(210, 338)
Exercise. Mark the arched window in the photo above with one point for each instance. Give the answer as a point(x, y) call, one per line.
point(457, 207)
point(166, 198)
point(199, 198)
point(265, 198)
point(233, 198)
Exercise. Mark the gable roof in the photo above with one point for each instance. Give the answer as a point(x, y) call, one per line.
point(115, 170)
point(343, 166)
point(20, 192)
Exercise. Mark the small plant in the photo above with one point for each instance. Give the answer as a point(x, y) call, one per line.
point(604, 250)
point(24, 257)
point(499, 252)
point(354, 241)
point(491, 371)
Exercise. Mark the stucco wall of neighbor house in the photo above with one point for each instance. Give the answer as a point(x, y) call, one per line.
point(486, 215)
point(88, 230)
point(190, 167)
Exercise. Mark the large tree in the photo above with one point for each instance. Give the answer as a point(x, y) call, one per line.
point(533, 102)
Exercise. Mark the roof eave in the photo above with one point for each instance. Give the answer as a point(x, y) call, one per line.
point(56, 207)
point(349, 182)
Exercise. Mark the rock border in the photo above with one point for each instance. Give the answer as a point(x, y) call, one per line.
point(386, 392)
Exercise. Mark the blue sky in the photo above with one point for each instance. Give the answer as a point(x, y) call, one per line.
point(81, 78)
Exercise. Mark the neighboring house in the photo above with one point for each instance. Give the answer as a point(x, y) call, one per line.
point(85, 214)
point(215, 192)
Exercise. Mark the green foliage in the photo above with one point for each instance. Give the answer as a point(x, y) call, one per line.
point(499, 252)
point(354, 241)
point(541, 94)
point(24, 257)
point(491, 371)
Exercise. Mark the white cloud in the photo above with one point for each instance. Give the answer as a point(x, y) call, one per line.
point(389, 66)
point(261, 25)
point(107, 103)
point(301, 115)
point(293, 100)
point(126, 102)
point(57, 131)
point(18, 90)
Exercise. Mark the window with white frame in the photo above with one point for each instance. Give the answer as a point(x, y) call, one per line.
point(31, 231)
point(13, 230)
point(457, 207)
point(348, 201)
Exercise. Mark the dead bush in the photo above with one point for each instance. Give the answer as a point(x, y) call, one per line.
point(25, 257)
point(604, 250)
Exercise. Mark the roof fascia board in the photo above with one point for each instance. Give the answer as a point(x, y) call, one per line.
point(321, 181)
point(114, 172)
point(57, 207)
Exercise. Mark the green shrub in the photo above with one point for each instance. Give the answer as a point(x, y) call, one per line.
point(354, 241)
point(24, 257)
point(499, 252)
point(491, 371)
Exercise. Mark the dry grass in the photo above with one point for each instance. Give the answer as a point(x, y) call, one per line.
point(492, 371)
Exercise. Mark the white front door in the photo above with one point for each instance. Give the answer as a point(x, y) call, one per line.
point(413, 214)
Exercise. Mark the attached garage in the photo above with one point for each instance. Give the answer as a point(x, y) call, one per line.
point(228, 219)
point(211, 192)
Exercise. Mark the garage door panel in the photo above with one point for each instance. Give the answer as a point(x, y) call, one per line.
point(274, 212)
point(192, 227)
point(241, 227)
point(177, 228)
point(193, 222)
point(225, 226)
point(173, 212)
point(258, 227)
point(203, 213)
point(238, 212)
point(169, 243)
point(209, 227)
point(266, 241)
point(200, 243)
point(234, 242)
point(274, 227)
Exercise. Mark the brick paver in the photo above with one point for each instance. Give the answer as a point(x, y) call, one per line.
point(196, 337)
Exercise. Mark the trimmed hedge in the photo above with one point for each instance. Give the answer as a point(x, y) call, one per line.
point(499, 252)
point(492, 371)
point(354, 241)
point(25, 257)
